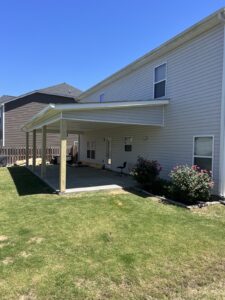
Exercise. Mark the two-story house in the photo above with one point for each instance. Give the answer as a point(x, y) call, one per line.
point(168, 105)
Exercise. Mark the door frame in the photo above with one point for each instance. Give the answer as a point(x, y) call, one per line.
point(108, 152)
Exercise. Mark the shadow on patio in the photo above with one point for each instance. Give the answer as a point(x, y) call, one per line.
point(86, 179)
point(26, 183)
point(78, 179)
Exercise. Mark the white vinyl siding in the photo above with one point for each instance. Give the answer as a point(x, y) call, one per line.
point(131, 115)
point(194, 83)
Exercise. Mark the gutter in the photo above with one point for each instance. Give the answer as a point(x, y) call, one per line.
point(109, 105)
point(59, 108)
point(221, 16)
point(39, 114)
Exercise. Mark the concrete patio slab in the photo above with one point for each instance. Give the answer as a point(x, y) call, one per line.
point(84, 179)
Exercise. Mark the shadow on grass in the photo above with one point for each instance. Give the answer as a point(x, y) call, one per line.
point(27, 183)
point(161, 199)
point(136, 192)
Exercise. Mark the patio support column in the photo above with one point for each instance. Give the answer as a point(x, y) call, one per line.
point(63, 147)
point(34, 149)
point(43, 152)
point(27, 149)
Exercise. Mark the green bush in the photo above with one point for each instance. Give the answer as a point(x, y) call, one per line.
point(146, 171)
point(191, 184)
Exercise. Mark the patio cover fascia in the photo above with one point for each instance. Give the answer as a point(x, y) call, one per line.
point(53, 113)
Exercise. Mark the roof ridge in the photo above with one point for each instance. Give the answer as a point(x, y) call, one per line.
point(61, 90)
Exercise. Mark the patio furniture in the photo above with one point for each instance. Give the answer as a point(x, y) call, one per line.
point(56, 159)
point(3, 161)
point(122, 168)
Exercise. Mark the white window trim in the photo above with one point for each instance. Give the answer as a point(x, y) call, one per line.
point(130, 144)
point(91, 149)
point(88, 149)
point(155, 82)
point(203, 156)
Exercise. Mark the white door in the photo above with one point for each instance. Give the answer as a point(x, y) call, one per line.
point(108, 151)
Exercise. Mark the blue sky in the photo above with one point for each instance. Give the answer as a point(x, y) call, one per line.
point(45, 42)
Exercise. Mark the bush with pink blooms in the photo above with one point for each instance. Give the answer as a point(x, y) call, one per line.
point(191, 184)
point(146, 171)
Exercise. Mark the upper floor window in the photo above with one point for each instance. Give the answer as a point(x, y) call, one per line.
point(160, 81)
point(101, 98)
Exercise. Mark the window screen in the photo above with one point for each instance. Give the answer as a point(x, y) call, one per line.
point(203, 152)
point(160, 81)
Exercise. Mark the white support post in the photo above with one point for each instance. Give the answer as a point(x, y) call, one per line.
point(34, 149)
point(43, 152)
point(63, 146)
point(27, 149)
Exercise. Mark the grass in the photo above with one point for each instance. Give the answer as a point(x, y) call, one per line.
point(105, 245)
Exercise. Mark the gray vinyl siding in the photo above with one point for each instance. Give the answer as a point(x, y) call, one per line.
point(194, 83)
point(135, 115)
point(18, 112)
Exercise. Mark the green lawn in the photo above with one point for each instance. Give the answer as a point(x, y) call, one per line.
point(105, 245)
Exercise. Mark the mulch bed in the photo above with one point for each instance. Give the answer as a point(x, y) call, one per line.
point(215, 199)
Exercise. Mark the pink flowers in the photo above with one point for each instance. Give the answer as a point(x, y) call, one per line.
point(192, 182)
point(195, 168)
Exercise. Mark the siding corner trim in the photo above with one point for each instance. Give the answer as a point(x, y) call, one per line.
point(222, 128)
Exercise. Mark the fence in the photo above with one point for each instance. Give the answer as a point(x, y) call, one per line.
point(14, 154)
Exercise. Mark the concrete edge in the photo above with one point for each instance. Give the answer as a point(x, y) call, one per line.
point(169, 201)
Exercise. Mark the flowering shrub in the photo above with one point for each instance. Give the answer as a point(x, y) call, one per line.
point(146, 171)
point(191, 183)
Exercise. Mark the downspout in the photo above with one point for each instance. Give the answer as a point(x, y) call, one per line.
point(3, 124)
point(221, 17)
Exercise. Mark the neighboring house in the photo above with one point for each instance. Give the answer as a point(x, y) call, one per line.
point(15, 110)
point(168, 105)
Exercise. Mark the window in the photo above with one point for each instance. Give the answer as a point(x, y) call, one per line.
point(203, 152)
point(101, 98)
point(128, 143)
point(88, 150)
point(91, 148)
point(160, 81)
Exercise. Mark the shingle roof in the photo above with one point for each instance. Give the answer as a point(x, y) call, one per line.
point(6, 98)
point(62, 89)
